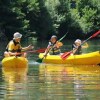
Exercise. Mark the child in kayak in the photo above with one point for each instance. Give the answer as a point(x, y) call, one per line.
point(14, 47)
point(77, 47)
point(53, 47)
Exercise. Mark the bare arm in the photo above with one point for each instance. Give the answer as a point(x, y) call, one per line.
point(86, 45)
point(59, 44)
point(27, 48)
point(47, 50)
point(14, 54)
point(74, 50)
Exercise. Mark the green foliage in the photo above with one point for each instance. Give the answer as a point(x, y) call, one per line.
point(88, 14)
point(58, 10)
point(14, 15)
point(12, 18)
point(47, 17)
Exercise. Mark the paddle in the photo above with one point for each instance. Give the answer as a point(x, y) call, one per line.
point(32, 51)
point(40, 60)
point(67, 54)
point(36, 51)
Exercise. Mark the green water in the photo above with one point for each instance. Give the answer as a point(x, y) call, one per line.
point(52, 81)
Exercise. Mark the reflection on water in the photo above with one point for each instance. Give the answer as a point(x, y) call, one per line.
point(70, 82)
point(51, 82)
point(15, 79)
point(14, 75)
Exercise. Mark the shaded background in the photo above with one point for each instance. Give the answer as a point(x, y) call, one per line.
point(41, 18)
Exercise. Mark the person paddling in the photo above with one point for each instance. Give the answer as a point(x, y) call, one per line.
point(54, 46)
point(14, 47)
point(77, 47)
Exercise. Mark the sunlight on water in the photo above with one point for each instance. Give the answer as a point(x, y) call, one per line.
point(51, 82)
point(14, 80)
point(71, 82)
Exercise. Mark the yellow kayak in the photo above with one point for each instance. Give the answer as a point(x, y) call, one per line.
point(14, 62)
point(14, 69)
point(92, 58)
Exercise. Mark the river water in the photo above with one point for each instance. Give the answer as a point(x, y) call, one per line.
point(51, 81)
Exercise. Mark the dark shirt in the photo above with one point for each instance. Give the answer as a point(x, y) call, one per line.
point(54, 50)
point(79, 49)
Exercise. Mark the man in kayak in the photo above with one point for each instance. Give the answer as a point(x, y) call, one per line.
point(14, 47)
point(77, 47)
point(53, 47)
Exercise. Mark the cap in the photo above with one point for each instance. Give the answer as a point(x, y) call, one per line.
point(78, 41)
point(17, 35)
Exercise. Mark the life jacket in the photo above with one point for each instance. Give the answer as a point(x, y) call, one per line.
point(78, 51)
point(54, 50)
point(13, 46)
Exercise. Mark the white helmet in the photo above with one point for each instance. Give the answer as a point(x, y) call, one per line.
point(78, 41)
point(17, 35)
point(54, 36)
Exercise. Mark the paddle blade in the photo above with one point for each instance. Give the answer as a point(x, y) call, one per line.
point(39, 60)
point(41, 50)
point(37, 51)
point(65, 55)
point(94, 35)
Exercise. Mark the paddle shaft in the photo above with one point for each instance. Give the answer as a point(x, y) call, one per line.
point(40, 60)
point(95, 34)
point(59, 41)
point(37, 51)
point(63, 37)
point(34, 51)
point(65, 55)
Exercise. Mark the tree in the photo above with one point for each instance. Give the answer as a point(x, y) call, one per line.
point(43, 18)
point(12, 18)
point(88, 15)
